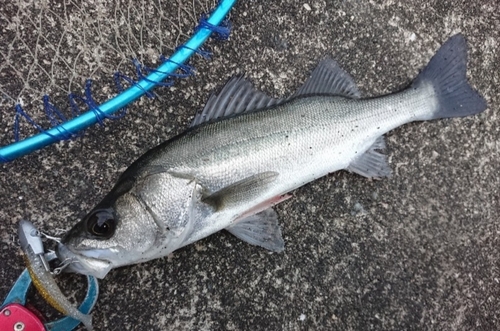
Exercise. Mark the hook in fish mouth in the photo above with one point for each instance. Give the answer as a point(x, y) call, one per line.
point(44, 235)
point(63, 265)
point(81, 263)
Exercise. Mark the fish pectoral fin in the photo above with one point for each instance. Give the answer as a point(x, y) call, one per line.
point(236, 97)
point(372, 163)
point(329, 78)
point(261, 229)
point(241, 191)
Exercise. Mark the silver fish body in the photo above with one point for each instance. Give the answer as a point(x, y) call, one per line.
point(245, 151)
point(300, 140)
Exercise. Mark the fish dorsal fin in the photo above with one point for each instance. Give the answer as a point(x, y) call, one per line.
point(329, 78)
point(239, 95)
point(236, 97)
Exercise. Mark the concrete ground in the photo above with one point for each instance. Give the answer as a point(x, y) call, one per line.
point(418, 251)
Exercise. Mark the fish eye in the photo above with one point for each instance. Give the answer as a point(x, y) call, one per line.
point(101, 224)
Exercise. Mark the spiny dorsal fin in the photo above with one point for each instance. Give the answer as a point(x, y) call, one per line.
point(239, 95)
point(236, 97)
point(329, 78)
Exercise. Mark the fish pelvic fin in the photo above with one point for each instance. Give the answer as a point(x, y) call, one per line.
point(446, 72)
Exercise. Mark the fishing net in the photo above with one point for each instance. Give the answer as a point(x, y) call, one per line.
point(60, 58)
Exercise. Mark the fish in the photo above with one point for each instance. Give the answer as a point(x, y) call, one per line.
point(42, 278)
point(246, 151)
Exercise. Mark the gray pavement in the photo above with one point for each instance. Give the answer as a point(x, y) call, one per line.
point(418, 251)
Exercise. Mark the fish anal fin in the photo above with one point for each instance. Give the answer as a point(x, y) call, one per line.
point(261, 229)
point(372, 163)
point(259, 225)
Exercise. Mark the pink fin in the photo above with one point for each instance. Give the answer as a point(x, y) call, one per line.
point(264, 205)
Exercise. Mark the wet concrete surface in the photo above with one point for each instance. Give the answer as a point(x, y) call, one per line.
point(417, 251)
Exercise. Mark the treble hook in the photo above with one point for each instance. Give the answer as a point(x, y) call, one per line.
point(62, 266)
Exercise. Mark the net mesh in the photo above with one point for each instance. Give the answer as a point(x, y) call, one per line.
point(51, 48)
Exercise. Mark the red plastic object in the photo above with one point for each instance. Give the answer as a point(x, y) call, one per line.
point(16, 317)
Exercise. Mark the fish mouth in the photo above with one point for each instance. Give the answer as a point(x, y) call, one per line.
point(83, 263)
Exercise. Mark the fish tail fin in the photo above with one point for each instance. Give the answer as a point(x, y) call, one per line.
point(446, 72)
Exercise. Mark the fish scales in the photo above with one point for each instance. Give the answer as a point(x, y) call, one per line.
point(320, 127)
point(245, 151)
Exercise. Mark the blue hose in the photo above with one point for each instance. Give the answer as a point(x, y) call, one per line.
point(138, 89)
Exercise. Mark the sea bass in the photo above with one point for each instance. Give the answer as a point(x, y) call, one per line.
point(245, 151)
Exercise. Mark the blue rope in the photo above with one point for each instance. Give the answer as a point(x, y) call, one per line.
point(221, 31)
point(118, 76)
point(140, 68)
point(204, 54)
point(214, 24)
point(94, 107)
point(187, 69)
point(4, 159)
point(51, 111)
point(20, 112)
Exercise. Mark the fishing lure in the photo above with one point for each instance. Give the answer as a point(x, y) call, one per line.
point(42, 277)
